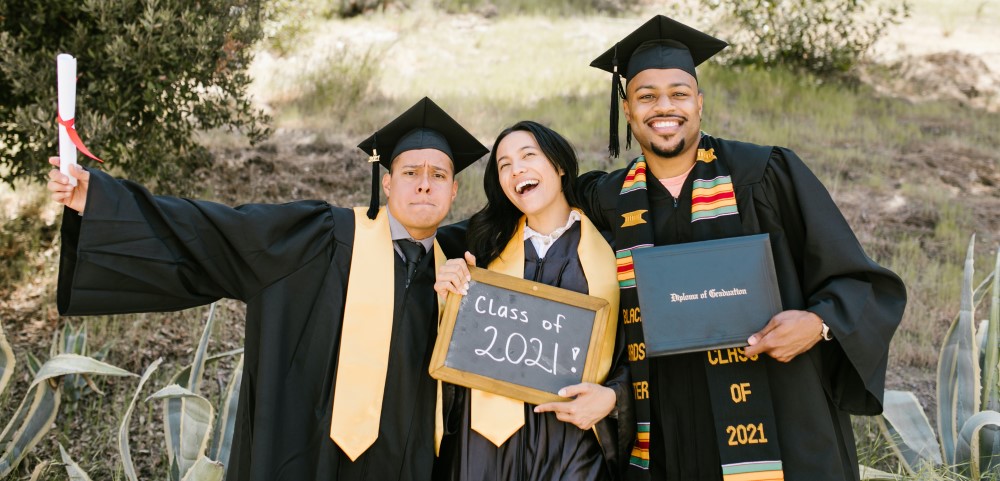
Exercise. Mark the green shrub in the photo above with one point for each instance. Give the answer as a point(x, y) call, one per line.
point(150, 74)
point(821, 36)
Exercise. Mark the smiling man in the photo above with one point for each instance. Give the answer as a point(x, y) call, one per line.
point(818, 361)
point(341, 311)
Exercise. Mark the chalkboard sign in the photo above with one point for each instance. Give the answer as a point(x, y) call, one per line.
point(521, 339)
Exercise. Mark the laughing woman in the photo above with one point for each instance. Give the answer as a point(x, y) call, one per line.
point(531, 215)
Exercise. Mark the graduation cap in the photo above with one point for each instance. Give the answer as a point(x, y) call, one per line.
point(660, 43)
point(423, 126)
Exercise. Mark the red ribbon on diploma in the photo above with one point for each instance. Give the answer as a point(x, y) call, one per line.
point(75, 138)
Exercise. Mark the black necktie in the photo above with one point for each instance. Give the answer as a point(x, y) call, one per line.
point(413, 252)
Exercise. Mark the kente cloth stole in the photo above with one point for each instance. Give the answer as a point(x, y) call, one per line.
point(497, 417)
point(738, 386)
point(365, 337)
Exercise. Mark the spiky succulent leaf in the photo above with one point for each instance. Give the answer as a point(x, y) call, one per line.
point(968, 440)
point(205, 470)
point(908, 432)
point(75, 472)
point(31, 421)
point(958, 368)
point(123, 443)
point(192, 422)
point(222, 439)
point(198, 366)
point(65, 364)
point(7, 361)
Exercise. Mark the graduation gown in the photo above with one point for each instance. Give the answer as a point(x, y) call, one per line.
point(135, 252)
point(820, 267)
point(545, 448)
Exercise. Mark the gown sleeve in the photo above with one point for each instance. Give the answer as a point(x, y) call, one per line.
point(588, 192)
point(861, 301)
point(134, 252)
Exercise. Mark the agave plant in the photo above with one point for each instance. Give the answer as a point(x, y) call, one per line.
point(37, 412)
point(198, 441)
point(968, 441)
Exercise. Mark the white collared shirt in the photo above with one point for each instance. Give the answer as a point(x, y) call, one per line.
point(542, 242)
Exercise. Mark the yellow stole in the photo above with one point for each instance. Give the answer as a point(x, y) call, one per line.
point(497, 417)
point(365, 337)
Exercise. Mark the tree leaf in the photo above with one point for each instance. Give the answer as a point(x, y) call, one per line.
point(75, 472)
point(909, 433)
point(123, 442)
point(64, 364)
point(192, 421)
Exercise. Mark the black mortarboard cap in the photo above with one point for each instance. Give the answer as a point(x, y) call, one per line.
point(423, 126)
point(660, 43)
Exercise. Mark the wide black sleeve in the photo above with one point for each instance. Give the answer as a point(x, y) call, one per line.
point(135, 252)
point(861, 301)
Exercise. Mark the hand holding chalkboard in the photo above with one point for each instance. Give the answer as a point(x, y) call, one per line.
point(521, 339)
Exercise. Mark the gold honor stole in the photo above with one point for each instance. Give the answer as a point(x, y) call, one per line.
point(365, 338)
point(497, 417)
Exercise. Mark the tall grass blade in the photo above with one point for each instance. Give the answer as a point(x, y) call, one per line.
point(222, 439)
point(123, 443)
point(909, 433)
point(192, 423)
point(958, 369)
point(34, 416)
point(968, 439)
point(7, 361)
point(65, 364)
point(205, 470)
point(198, 366)
point(75, 472)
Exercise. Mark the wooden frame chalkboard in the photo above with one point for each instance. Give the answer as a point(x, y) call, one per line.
point(580, 319)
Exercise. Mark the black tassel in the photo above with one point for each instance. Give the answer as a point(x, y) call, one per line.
point(373, 206)
point(613, 147)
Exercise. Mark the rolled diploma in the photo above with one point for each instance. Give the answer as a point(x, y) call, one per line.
point(66, 74)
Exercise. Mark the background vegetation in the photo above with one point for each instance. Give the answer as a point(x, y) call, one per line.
point(914, 179)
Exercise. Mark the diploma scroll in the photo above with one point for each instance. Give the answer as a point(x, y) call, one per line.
point(66, 74)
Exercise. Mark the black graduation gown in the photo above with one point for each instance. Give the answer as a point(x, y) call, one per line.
point(545, 448)
point(133, 252)
point(820, 267)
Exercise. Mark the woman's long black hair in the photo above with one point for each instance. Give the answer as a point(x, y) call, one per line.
point(492, 227)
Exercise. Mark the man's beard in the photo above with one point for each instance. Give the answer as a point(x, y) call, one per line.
point(668, 154)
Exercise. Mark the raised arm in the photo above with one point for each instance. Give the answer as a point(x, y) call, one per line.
point(131, 251)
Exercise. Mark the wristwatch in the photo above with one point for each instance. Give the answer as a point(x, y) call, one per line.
point(825, 333)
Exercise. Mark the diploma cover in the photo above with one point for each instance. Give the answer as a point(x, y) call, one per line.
point(705, 295)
